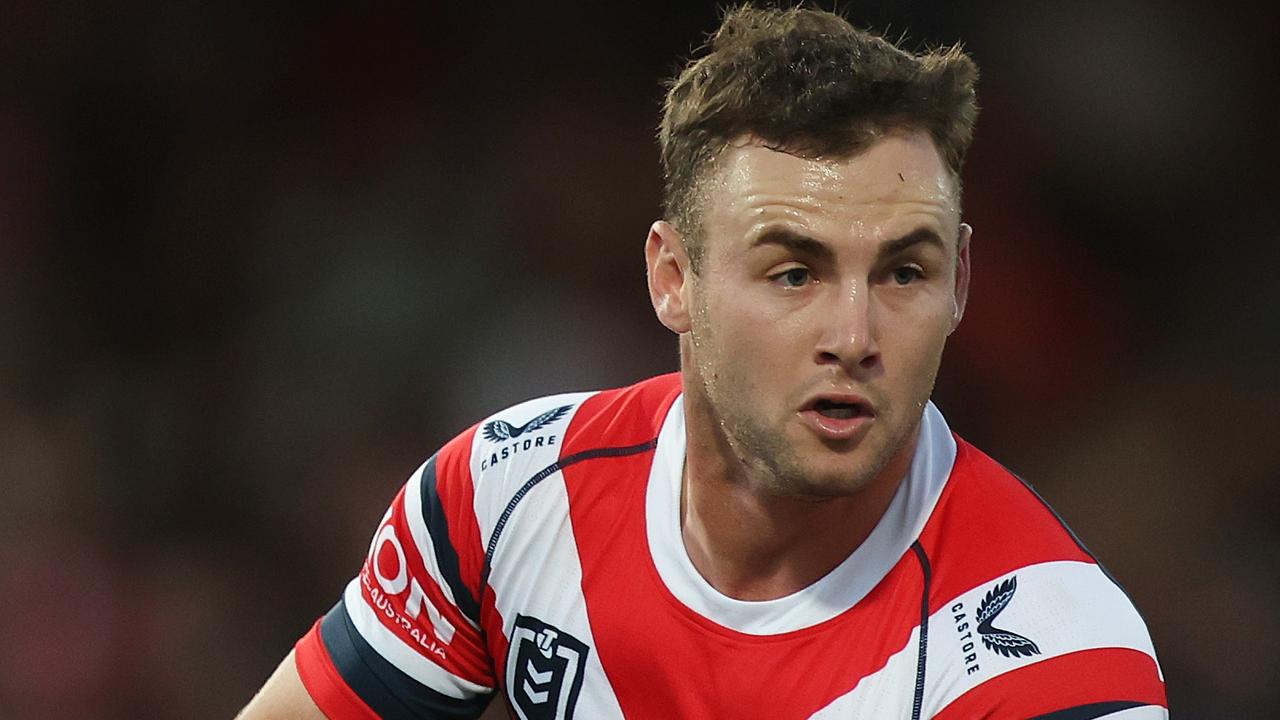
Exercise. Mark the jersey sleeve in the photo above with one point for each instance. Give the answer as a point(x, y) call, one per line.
point(1055, 640)
point(404, 640)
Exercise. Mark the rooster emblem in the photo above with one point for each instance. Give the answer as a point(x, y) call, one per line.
point(498, 430)
point(1008, 644)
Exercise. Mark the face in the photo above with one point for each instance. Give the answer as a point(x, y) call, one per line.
point(816, 323)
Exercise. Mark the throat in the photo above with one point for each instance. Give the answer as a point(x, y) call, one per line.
point(754, 546)
point(750, 542)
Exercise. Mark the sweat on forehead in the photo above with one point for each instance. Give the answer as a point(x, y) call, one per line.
point(898, 176)
point(920, 166)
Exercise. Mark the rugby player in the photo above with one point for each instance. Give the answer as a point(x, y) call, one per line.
point(785, 528)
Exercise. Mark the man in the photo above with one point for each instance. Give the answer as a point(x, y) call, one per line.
point(786, 528)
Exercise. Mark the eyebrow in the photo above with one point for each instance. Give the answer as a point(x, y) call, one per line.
point(915, 237)
point(805, 245)
point(797, 243)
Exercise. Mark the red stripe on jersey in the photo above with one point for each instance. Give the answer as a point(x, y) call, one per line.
point(456, 489)
point(660, 656)
point(1062, 682)
point(414, 587)
point(623, 417)
point(993, 525)
point(323, 682)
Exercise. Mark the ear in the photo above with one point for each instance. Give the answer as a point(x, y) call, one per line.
point(962, 273)
point(669, 276)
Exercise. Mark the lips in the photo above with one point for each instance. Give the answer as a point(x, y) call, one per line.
point(837, 416)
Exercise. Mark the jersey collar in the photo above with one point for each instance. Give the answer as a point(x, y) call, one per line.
point(834, 593)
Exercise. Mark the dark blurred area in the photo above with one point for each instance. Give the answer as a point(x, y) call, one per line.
point(257, 261)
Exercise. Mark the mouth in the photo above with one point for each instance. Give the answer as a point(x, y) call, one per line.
point(839, 410)
point(837, 417)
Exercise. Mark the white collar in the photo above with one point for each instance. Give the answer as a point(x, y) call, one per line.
point(834, 593)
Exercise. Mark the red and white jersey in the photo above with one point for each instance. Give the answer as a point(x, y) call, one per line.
point(538, 555)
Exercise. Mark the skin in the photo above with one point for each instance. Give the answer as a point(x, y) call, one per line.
point(862, 305)
point(282, 696)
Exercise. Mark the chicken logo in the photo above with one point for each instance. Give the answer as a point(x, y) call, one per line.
point(499, 430)
point(1008, 644)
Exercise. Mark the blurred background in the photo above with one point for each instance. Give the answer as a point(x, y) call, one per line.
point(258, 260)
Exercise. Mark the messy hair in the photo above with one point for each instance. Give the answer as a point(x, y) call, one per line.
point(807, 82)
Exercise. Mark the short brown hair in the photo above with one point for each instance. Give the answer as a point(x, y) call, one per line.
point(808, 82)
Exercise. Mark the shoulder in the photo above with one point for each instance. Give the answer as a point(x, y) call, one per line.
point(1016, 600)
point(478, 477)
point(988, 523)
point(506, 450)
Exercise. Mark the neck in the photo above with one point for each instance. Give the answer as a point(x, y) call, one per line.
point(752, 543)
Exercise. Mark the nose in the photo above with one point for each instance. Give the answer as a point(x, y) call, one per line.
point(848, 330)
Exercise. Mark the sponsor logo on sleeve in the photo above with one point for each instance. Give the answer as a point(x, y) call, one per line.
point(544, 670)
point(399, 599)
point(514, 439)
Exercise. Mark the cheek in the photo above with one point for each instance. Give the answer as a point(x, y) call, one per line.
point(916, 336)
point(737, 316)
point(742, 345)
point(756, 335)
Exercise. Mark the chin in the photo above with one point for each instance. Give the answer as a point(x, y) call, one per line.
point(824, 483)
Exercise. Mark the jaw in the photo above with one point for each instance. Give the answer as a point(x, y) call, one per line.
point(786, 455)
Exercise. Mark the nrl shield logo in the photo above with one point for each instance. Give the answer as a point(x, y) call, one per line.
point(544, 670)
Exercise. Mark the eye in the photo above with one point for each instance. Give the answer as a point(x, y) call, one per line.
point(906, 274)
point(793, 278)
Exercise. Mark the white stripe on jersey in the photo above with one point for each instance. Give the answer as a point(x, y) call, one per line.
point(422, 539)
point(495, 483)
point(555, 595)
point(838, 590)
point(1062, 606)
point(395, 651)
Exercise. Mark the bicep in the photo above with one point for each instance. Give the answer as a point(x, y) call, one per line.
point(282, 696)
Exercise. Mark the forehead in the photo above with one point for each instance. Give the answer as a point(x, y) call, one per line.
point(897, 184)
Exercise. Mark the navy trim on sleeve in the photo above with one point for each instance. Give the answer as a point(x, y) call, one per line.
point(382, 686)
point(1090, 711)
point(446, 555)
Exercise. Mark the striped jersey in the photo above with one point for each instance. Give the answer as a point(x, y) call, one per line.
point(538, 557)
